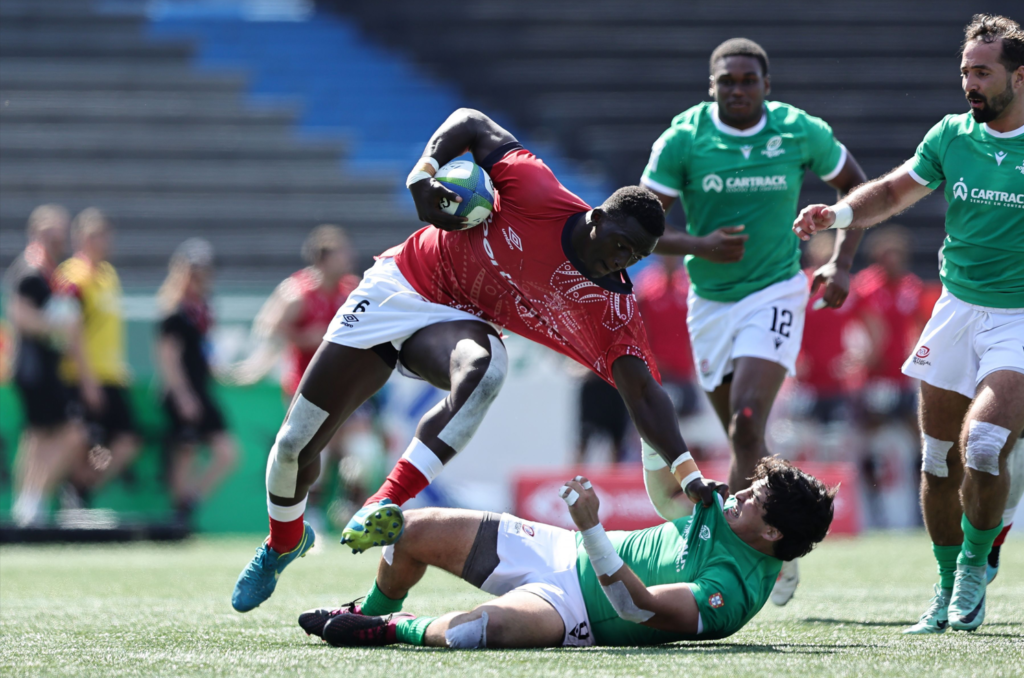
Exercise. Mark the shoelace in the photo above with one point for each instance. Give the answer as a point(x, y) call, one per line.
point(935, 604)
point(347, 607)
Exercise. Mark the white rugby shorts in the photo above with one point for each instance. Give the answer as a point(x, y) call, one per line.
point(963, 343)
point(767, 324)
point(385, 308)
point(541, 559)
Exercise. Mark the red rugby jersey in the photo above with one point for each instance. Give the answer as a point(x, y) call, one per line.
point(318, 309)
point(519, 271)
point(661, 296)
point(897, 305)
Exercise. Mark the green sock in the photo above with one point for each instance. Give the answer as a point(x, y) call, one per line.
point(946, 556)
point(977, 543)
point(378, 605)
point(412, 631)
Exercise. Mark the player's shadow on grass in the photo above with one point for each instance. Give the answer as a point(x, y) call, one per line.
point(862, 622)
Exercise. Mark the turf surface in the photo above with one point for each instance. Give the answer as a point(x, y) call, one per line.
point(145, 610)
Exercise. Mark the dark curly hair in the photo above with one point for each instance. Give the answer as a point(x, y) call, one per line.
point(639, 203)
point(740, 47)
point(991, 27)
point(798, 505)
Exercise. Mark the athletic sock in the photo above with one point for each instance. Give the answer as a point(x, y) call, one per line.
point(286, 527)
point(946, 557)
point(377, 604)
point(412, 631)
point(977, 543)
point(403, 483)
point(1002, 535)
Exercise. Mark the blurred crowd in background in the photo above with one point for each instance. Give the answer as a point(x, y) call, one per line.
point(64, 350)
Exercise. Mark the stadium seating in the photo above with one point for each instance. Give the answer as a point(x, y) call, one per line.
point(606, 77)
point(95, 112)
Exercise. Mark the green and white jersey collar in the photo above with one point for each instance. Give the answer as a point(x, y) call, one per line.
point(732, 131)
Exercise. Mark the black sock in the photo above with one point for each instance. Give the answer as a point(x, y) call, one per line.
point(993, 556)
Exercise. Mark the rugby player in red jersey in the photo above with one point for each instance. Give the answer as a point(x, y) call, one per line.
point(545, 265)
point(293, 321)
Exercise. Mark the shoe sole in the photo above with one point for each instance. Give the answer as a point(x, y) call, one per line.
point(383, 527)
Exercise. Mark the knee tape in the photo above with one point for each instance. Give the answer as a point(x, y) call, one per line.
point(1015, 467)
point(298, 429)
point(461, 427)
point(933, 456)
point(622, 602)
point(469, 636)
point(984, 443)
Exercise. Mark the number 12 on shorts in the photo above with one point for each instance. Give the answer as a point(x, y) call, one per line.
point(786, 316)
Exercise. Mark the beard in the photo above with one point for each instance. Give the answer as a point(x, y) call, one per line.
point(993, 107)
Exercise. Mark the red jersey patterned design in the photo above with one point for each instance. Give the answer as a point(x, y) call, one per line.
point(518, 270)
point(318, 309)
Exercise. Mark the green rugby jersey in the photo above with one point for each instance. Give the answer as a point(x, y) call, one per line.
point(730, 580)
point(983, 253)
point(727, 177)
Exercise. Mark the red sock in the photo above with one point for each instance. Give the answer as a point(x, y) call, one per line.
point(403, 483)
point(285, 536)
point(1002, 535)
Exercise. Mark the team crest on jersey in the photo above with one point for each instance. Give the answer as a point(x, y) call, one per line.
point(922, 353)
point(773, 148)
point(745, 150)
point(1020, 167)
point(716, 600)
point(705, 532)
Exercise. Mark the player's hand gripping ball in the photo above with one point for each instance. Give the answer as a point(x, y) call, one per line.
point(471, 183)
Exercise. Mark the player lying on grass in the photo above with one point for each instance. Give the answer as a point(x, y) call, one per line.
point(969, 358)
point(700, 576)
point(545, 265)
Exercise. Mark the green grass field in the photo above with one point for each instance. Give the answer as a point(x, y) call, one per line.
point(145, 610)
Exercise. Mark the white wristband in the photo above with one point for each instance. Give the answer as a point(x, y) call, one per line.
point(684, 457)
point(602, 554)
point(420, 171)
point(689, 479)
point(844, 215)
point(652, 460)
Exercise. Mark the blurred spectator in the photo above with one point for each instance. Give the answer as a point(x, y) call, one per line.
point(95, 366)
point(835, 346)
point(602, 418)
point(53, 440)
point(182, 361)
point(891, 299)
point(293, 321)
point(891, 304)
point(661, 291)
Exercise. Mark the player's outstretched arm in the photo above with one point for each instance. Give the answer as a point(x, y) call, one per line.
point(835, 275)
point(667, 608)
point(655, 418)
point(464, 130)
point(869, 204)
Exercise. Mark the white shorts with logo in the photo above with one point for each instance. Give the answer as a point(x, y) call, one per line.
point(541, 559)
point(963, 343)
point(385, 308)
point(767, 324)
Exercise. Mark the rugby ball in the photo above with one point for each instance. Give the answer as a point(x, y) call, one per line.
point(471, 183)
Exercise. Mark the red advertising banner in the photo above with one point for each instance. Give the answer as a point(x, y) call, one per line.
point(624, 502)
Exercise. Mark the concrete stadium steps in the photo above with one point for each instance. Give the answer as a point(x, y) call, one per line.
point(605, 78)
point(95, 112)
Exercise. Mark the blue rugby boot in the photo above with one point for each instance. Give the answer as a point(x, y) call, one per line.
point(259, 578)
point(377, 524)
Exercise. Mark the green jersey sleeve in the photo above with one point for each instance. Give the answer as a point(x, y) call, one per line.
point(722, 602)
point(666, 169)
point(926, 164)
point(824, 154)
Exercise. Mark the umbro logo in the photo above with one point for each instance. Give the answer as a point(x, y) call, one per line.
point(581, 631)
point(999, 156)
point(350, 318)
point(513, 239)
